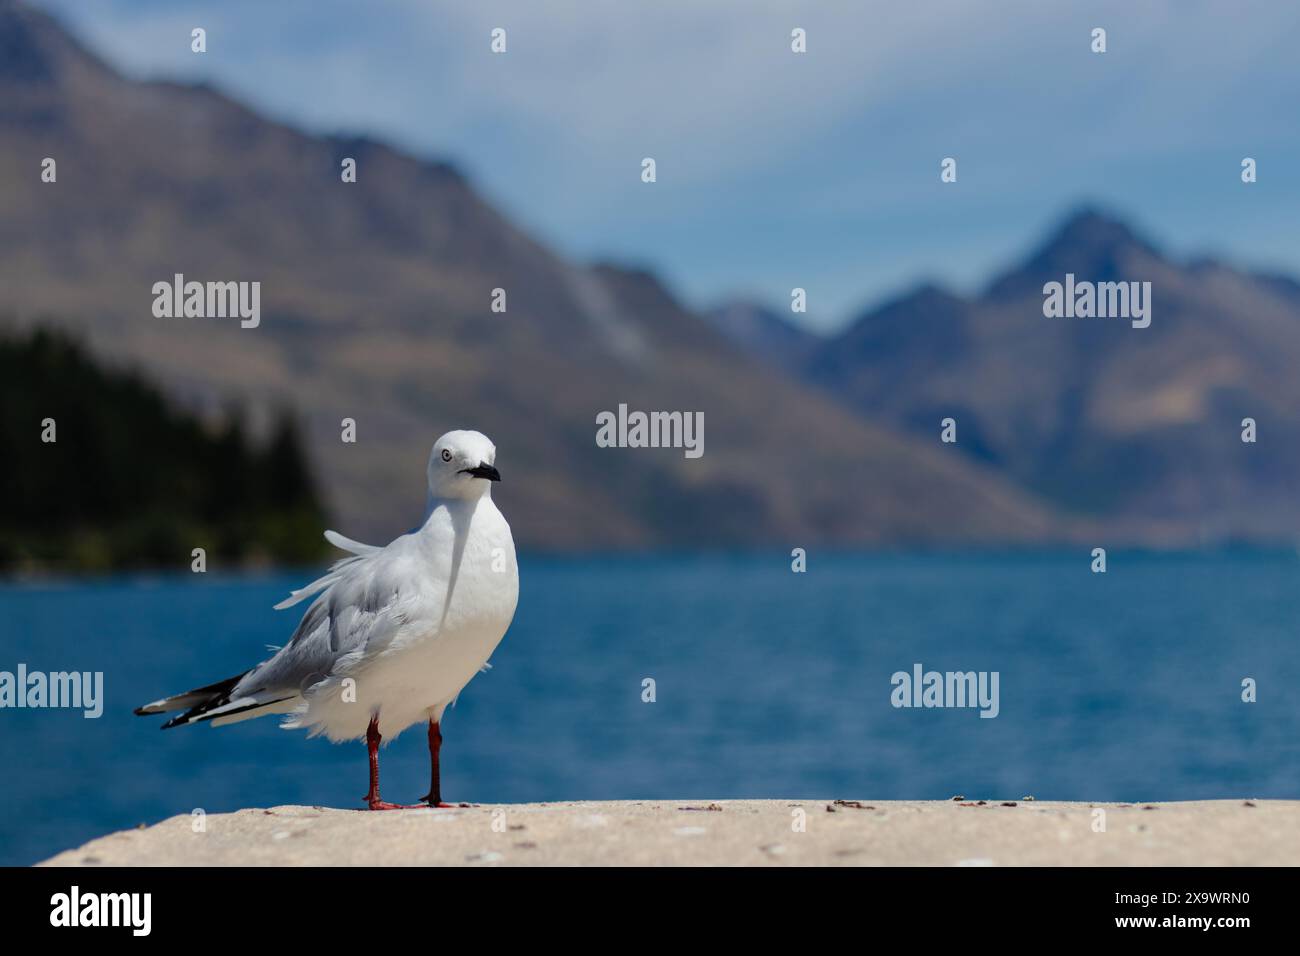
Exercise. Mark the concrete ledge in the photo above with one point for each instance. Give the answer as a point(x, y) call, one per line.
point(722, 832)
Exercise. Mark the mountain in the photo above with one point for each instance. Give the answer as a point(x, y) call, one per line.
point(1137, 428)
point(763, 332)
point(375, 306)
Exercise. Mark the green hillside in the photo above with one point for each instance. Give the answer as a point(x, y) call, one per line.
point(132, 481)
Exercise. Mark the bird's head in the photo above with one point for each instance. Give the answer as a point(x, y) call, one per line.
point(462, 465)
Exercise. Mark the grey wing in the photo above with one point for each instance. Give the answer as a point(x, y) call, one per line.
point(356, 616)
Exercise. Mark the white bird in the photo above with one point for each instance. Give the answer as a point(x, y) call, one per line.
point(394, 634)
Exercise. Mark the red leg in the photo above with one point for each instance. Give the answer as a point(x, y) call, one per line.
point(434, 797)
point(372, 745)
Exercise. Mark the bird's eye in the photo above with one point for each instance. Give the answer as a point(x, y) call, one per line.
point(446, 454)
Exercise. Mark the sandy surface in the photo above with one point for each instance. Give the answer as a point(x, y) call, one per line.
point(723, 832)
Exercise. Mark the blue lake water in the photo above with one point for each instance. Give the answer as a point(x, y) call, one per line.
point(1122, 686)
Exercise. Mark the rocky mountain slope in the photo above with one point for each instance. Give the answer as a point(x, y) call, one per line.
point(764, 332)
point(1138, 427)
point(375, 306)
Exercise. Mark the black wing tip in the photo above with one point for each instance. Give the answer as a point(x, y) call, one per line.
point(145, 712)
point(218, 694)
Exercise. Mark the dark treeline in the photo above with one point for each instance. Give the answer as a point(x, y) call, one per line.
point(132, 481)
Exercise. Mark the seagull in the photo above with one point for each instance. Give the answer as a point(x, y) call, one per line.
point(393, 634)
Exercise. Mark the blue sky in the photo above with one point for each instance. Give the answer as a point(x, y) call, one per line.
point(777, 170)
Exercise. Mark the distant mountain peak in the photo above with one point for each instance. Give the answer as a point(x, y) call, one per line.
point(1094, 228)
point(926, 295)
point(34, 49)
point(915, 330)
point(1090, 242)
point(763, 331)
point(24, 56)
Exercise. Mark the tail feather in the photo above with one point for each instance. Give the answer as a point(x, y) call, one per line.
point(279, 705)
point(214, 702)
point(191, 698)
point(226, 711)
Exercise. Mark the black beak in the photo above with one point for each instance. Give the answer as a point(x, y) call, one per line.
point(482, 471)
